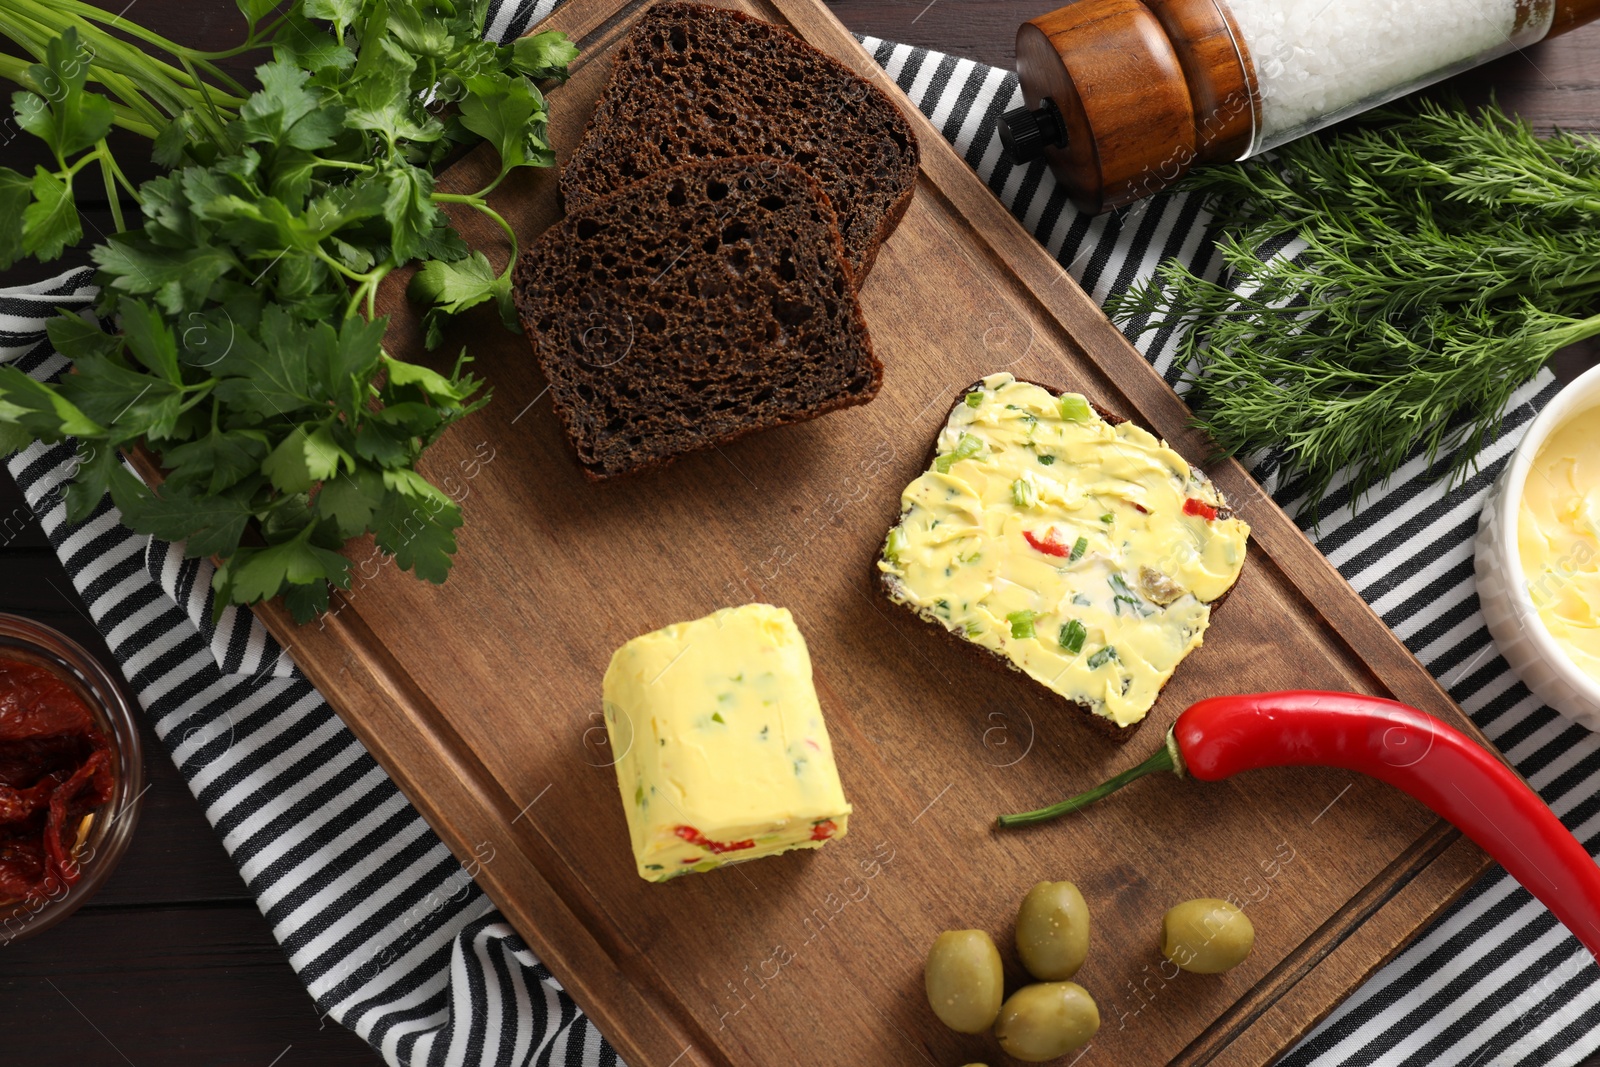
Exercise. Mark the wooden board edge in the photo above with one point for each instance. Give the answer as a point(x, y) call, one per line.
point(464, 804)
point(1384, 934)
point(1439, 867)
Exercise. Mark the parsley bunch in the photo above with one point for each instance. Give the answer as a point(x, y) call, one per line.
point(249, 356)
point(1446, 256)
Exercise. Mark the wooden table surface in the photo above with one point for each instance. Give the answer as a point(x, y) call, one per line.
point(171, 963)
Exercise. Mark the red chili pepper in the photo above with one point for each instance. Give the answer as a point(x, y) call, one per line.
point(1140, 508)
point(1050, 544)
point(1394, 743)
point(823, 830)
point(1199, 508)
point(695, 837)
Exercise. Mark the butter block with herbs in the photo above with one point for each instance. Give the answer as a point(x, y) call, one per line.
point(1085, 554)
point(723, 755)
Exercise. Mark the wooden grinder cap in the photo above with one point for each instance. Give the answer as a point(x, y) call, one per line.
point(1144, 90)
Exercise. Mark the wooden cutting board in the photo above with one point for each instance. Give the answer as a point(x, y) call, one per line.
point(482, 697)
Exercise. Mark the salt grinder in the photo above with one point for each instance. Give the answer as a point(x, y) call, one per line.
point(1123, 97)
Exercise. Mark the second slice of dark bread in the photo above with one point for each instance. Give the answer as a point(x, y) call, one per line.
point(696, 82)
point(691, 308)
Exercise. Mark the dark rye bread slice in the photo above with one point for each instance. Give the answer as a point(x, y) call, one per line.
point(691, 308)
point(696, 82)
point(989, 659)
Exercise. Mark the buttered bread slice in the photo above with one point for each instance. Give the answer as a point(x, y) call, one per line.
point(1085, 553)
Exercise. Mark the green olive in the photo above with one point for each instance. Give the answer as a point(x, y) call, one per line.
point(1053, 931)
point(964, 981)
point(1206, 936)
point(1043, 1021)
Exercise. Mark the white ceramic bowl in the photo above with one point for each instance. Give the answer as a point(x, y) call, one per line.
point(1537, 658)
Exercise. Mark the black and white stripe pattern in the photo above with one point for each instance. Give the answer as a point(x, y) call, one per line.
point(392, 938)
point(509, 19)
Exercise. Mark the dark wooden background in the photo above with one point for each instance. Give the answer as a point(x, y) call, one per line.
point(171, 963)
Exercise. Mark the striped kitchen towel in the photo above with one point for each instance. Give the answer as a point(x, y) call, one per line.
point(392, 938)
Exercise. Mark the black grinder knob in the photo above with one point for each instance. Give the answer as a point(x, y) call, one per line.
point(1025, 133)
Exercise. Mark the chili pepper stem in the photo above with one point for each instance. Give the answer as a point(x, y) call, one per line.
point(1166, 758)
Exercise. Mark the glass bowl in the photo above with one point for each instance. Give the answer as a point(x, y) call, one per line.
point(111, 825)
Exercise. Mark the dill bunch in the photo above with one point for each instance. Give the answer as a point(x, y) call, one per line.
point(1446, 255)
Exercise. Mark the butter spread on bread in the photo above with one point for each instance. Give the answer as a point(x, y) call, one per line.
point(1084, 553)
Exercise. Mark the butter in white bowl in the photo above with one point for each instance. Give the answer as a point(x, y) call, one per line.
point(722, 751)
point(1537, 554)
point(1558, 537)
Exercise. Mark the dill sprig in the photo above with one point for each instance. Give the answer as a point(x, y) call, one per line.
point(1446, 255)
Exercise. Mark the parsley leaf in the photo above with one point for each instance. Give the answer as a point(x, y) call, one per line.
point(13, 438)
point(255, 10)
point(337, 364)
point(451, 288)
point(285, 112)
point(125, 400)
point(50, 223)
point(254, 574)
point(304, 44)
point(448, 392)
point(65, 117)
point(303, 459)
point(543, 55)
point(209, 524)
point(509, 113)
point(41, 410)
point(350, 500)
point(15, 192)
point(75, 337)
point(218, 460)
point(267, 379)
point(417, 528)
point(176, 277)
point(151, 341)
point(100, 471)
point(342, 13)
point(411, 214)
point(382, 103)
